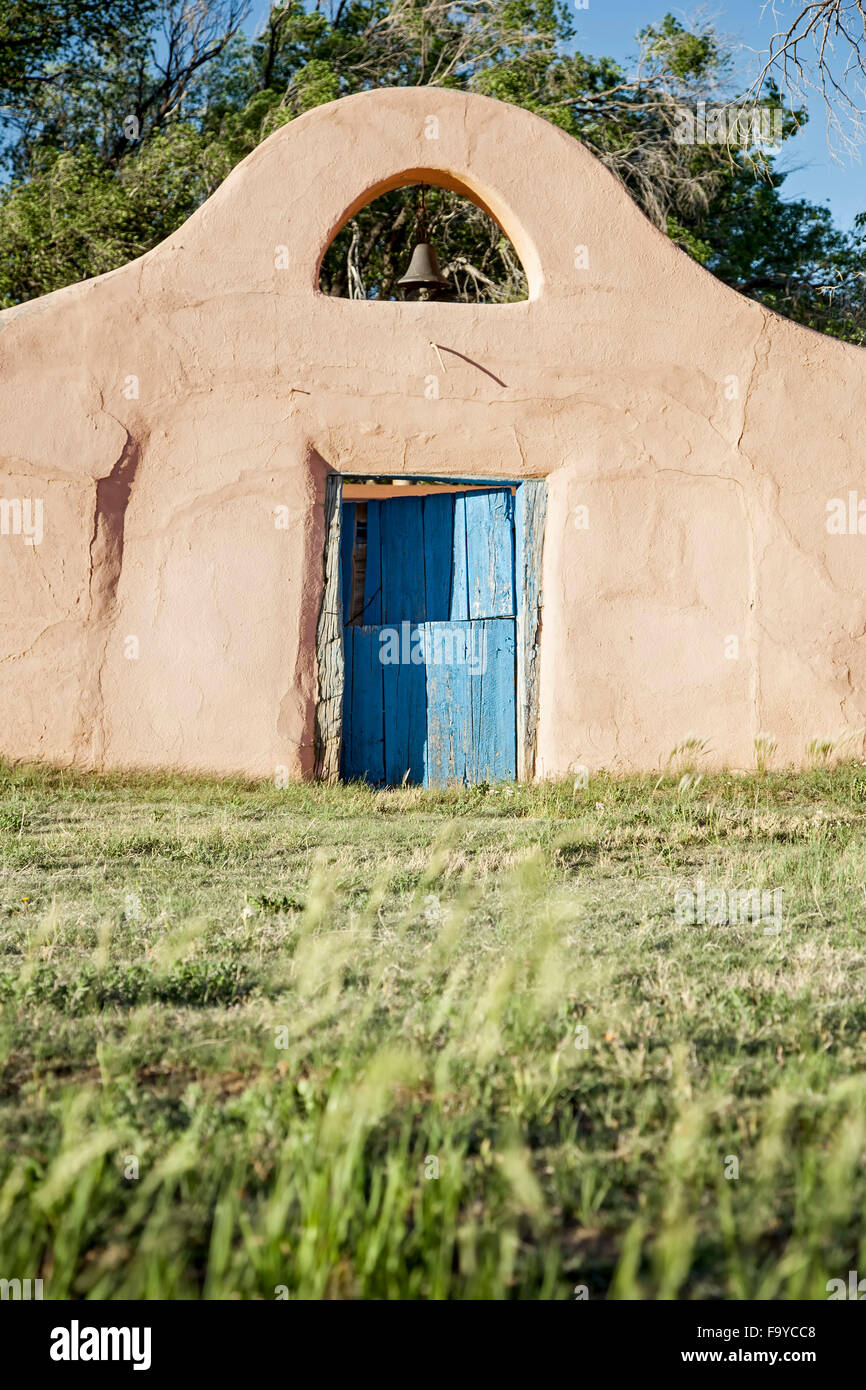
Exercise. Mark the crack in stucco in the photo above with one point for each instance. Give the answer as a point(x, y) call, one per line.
point(760, 337)
point(105, 558)
point(520, 448)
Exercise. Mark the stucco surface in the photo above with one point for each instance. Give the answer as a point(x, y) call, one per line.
point(703, 436)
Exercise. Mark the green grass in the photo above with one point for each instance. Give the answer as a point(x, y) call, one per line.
point(349, 1044)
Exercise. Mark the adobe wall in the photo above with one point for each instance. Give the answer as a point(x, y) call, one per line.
point(703, 435)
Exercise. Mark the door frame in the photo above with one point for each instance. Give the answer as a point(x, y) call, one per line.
point(529, 522)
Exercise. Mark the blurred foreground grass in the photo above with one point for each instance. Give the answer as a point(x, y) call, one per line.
point(334, 1043)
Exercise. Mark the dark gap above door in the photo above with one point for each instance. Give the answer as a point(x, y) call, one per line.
point(359, 564)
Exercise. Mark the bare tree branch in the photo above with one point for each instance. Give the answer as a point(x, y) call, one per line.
point(821, 49)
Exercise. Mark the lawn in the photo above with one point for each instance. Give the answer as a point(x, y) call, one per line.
point(337, 1043)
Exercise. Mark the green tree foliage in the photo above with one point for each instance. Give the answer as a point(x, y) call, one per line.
point(42, 39)
point(119, 121)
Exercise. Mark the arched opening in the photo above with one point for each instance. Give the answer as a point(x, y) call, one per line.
point(373, 250)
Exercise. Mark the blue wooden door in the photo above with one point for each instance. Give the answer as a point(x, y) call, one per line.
point(429, 604)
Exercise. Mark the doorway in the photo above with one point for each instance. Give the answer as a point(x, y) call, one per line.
point(428, 639)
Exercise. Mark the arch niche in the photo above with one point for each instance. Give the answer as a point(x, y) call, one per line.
point(492, 205)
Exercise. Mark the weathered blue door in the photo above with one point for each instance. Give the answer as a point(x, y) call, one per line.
point(429, 605)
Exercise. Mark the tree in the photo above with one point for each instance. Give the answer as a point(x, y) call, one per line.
point(77, 74)
point(40, 40)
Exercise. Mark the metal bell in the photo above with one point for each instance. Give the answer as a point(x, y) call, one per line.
point(423, 274)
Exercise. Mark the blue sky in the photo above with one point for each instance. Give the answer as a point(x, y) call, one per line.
point(607, 29)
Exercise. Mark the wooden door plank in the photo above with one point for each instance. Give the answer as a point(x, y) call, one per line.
point(402, 560)
point(348, 653)
point(449, 711)
point(491, 652)
point(459, 574)
point(348, 770)
point(490, 553)
point(405, 694)
point(438, 546)
point(364, 743)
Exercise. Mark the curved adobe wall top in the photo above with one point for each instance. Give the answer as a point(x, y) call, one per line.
point(164, 410)
point(209, 300)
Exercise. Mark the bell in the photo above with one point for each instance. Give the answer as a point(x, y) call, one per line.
point(424, 275)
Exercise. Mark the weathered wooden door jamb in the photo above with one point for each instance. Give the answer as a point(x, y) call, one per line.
point(529, 517)
point(330, 656)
